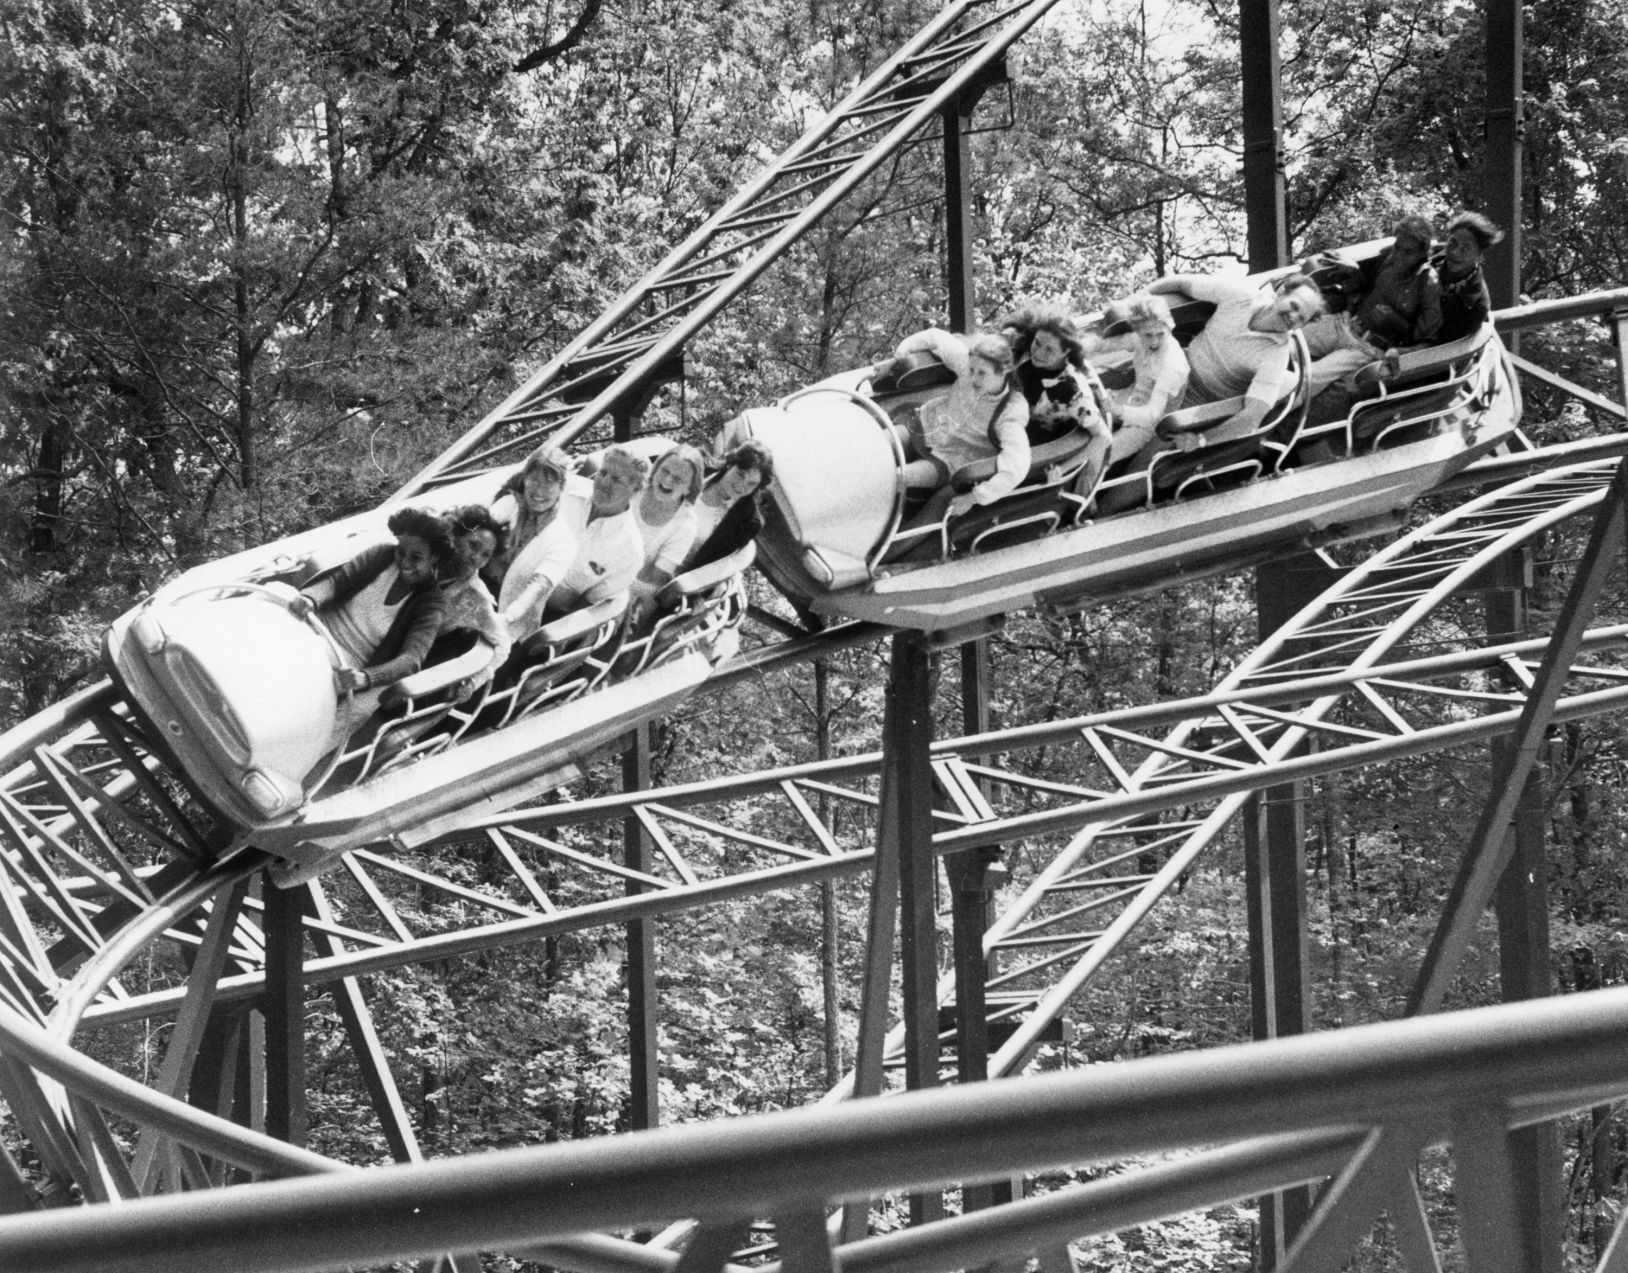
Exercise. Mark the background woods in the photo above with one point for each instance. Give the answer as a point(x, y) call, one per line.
point(262, 260)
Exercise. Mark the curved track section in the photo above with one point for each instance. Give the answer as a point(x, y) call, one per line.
point(636, 344)
point(108, 875)
point(122, 902)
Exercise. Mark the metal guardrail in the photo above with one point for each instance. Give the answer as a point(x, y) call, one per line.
point(1283, 1111)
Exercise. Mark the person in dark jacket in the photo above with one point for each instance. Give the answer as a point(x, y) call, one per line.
point(1050, 370)
point(727, 515)
point(1400, 308)
point(1465, 302)
point(384, 607)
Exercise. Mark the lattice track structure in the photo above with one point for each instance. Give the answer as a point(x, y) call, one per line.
point(105, 867)
point(118, 910)
point(638, 342)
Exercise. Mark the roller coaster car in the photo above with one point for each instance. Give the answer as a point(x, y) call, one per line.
point(242, 691)
point(239, 693)
point(837, 517)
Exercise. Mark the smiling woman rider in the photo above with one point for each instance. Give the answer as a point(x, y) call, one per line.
point(727, 514)
point(382, 607)
point(665, 516)
point(541, 544)
point(477, 537)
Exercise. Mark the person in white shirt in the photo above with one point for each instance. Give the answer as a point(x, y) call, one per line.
point(1244, 348)
point(665, 514)
point(1160, 367)
point(541, 545)
point(610, 553)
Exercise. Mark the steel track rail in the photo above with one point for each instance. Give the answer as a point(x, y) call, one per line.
point(1310, 681)
point(626, 349)
point(1355, 1104)
point(1323, 675)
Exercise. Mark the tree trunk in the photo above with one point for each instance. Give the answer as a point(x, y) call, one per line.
point(1602, 1171)
point(241, 300)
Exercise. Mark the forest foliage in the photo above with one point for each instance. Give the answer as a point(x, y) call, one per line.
point(263, 259)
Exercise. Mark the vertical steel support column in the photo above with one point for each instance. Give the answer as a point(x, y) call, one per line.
point(1264, 188)
point(969, 896)
point(901, 882)
point(284, 1006)
point(1274, 832)
point(1522, 907)
point(968, 875)
point(969, 900)
point(1275, 879)
point(1504, 143)
point(882, 927)
point(644, 1070)
point(907, 831)
point(644, 1092)
point(957, 214)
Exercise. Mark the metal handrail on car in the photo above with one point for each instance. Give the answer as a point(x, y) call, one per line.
point(1461, 359)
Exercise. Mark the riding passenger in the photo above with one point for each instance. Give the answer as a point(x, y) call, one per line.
point(1160, 366)
point(477, 538)
point(610, 553)
point(1465, 301)
point(383, 608)
point(1050, 371)
point(541, 544)
point(1399, 309)
point(1244, 347)
point(665, 516)
point(981, 415)
point(728, 515)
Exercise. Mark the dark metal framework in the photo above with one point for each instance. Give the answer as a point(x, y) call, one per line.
point(1355, 1106)
point(106, 865)
point(637, 344)
point(105, 860)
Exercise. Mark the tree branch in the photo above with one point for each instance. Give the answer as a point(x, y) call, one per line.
point(567, 42)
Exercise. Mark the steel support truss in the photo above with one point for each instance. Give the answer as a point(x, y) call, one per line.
point(636, 344)
point(1155, 788)
point(1219, 1125)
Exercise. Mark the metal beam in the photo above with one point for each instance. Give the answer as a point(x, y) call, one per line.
point(907, 830)
point(1522, 905)
point(283, 1005)
point(644, 1072)
point(1427, 1076)
point(1490, 845)
point(1274, 827)
point(1505, 138)
point(1265, 189)
point(357, 1018)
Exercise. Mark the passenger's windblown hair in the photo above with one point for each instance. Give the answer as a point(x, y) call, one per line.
point(431, 527)
point(993, 349)
point(471, 517)
point(1478, 227)
point(1021, 325)
point(1145, 307)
